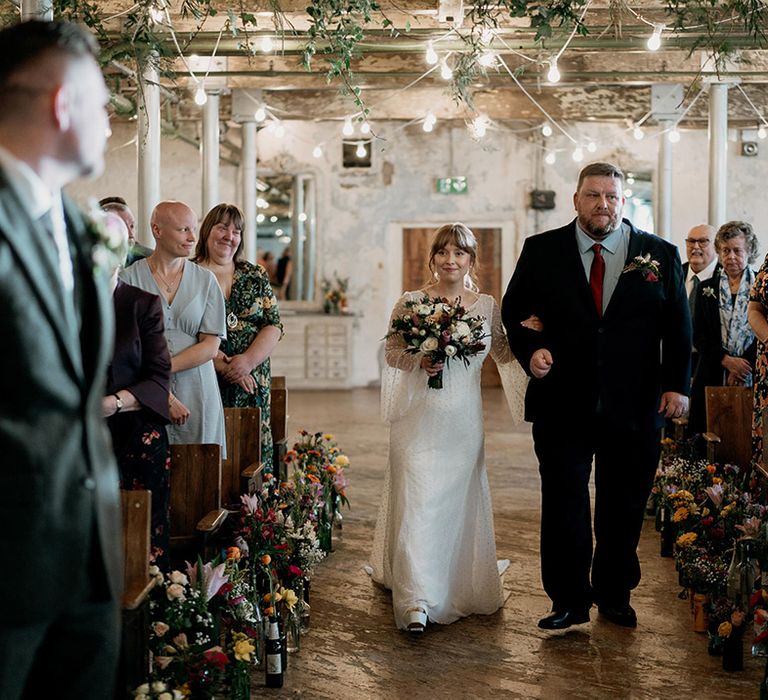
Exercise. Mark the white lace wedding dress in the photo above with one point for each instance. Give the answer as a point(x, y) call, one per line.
point(434, 545)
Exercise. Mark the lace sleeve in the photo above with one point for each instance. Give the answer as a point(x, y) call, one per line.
point(514, 380)
point(394, 350)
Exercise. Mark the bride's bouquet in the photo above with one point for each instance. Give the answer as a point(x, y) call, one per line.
point(441, 330)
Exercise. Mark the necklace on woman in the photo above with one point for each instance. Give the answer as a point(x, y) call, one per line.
point(168, 285)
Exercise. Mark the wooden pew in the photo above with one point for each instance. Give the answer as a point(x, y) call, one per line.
point(196, 512)
point(729, 425)
point(241, 470)
point(279, 425)
point(134, 642)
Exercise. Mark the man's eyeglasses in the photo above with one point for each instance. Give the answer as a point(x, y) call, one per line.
point(698, 241)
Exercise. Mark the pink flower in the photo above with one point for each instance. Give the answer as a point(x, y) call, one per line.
point(213, 579)
point(251, 502)
point(162, 662)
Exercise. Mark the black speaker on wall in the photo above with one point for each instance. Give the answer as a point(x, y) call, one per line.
point(542, 199)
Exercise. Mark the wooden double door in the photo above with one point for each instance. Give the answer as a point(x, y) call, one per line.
point(416, 274)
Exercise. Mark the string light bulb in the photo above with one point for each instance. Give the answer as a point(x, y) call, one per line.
point(260, 114)
point(360, 151)
point(591, 146)
point(348, 129)
point(553, 74)
point(654, 41)
point(486, 36)
point(266, 45)
point(365, 128)
point(156, 14)
point(431, 55)
point(550, 158)
point(445, 70)
point(546, 130)
point(429, 122)
point(674, 135)
point(761, 132)
point(486, 59)
point(479, 126)
point(638, 133)
point(317, 152)
point(200, 95)
point(260, 218)
point(578, 154)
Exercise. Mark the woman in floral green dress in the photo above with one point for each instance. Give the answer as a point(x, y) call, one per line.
point(253, 320)
point(758, 319)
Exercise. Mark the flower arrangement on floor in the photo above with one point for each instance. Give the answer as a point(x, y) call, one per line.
point(207, 626)
point(440, 329)
point(335, 294)
point(720, 544)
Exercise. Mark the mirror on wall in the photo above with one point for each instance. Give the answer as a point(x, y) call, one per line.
point(638, 205)
point(286, 236)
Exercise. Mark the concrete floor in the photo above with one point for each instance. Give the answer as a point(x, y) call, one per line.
point(354, 650)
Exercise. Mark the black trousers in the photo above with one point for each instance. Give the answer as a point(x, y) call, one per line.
point(625, 464)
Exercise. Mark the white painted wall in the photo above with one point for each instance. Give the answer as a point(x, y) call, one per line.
point(361, 212)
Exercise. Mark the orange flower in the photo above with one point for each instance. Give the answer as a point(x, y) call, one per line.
point(330, 468)
point(711, 468)
point(233, 553)
point(267, 476)
point(313, 478)
point(717, 480)
point(269, 611)
point(267, 597)
point(266, 559)
point(311, 469)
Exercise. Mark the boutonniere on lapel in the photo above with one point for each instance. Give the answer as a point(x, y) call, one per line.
point(709, 292)
point(646, 266)
point(109, 239)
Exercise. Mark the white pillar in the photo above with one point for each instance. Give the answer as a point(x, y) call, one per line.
point(248, 169)
point(148, 149)
point(297, 240)
point(210, 153)
point(36, 9)
point(718, 152)
point(664, 184)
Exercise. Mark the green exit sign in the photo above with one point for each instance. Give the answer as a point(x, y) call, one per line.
point(452, 185)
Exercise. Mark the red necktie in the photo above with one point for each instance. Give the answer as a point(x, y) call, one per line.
point(596, 275)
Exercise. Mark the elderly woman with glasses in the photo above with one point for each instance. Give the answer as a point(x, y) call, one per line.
point(721, 331)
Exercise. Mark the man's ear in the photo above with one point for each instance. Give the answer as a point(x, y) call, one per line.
point(62, 104)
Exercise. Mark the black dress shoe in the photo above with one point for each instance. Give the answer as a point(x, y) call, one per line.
point(623, 615)
point(563, 619)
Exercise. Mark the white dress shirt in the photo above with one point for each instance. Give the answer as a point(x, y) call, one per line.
point(705, 274)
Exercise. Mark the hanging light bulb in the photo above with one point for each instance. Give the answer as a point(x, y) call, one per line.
point(260, 114)
point(365, 128)
point(553, 74)
point(431, 55)
point(348, 129)
point(591, 146)
point(638, 133)
point(200, 96)
point(260, 218)
point(550, 158)
point(546, 129)
point(360, 151)
point(578, 154)
point(266, 44)
point(761, 132)
point(487, 59)
point(279, 130)
point(486, 36)
point(156, 14)
point(654, 41)
point(429, 122)
point(445, 70)
point(427, 126)
point(674, 135)
point(479, 126)
point(317, 152)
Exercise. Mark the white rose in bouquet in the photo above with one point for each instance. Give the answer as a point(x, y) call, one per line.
point(423, 309)
point(450, 350)
point(429, 345)
point(462, 330)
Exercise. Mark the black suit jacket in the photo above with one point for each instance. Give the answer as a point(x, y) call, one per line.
point(624, 361)
point(59, 498)
point(140, 364)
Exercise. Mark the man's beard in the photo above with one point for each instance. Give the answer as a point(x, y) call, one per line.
point(596, 231)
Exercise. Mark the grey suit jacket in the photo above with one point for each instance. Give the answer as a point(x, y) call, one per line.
point(59, 494)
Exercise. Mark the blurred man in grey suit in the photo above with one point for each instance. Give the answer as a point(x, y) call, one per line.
point(59, 499)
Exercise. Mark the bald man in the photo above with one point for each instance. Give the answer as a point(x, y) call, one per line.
point(60, 540)
point(195, 323)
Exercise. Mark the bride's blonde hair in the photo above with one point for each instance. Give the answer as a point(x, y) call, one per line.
point(462, 237)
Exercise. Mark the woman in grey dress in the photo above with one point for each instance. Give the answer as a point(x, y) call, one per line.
point(193, 308)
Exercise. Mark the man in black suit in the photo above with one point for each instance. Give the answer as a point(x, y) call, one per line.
point(60, 540)
point(612, 361)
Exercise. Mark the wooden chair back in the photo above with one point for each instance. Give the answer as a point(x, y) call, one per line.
point(243, 433)
point(278, 422)
point(195, 492)
point(136, 507)
point(729, 424)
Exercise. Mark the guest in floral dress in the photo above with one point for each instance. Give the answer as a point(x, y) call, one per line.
point(758, 319)
point(253, 321)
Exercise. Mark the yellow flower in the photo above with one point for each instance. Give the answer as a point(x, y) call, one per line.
point(243, 649)
point(727, 509)
point(682, 495)
point(342, 460)
point(289, 597)
point(687, 539)
point(327, 436)
point(680, 514)
point(716, 480)
point(724, 630)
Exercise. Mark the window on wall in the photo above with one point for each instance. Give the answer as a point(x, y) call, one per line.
point(356, 154)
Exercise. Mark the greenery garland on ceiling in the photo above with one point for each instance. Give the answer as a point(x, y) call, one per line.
point(337, 27)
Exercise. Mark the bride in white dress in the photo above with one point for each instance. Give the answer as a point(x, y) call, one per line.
point(434, 545)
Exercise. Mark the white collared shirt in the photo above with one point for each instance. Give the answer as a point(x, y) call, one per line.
point(38, 200)
point(705, 274)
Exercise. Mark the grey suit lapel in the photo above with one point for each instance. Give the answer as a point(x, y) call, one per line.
point(41, 269)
